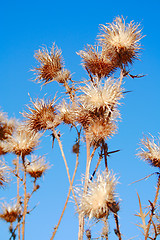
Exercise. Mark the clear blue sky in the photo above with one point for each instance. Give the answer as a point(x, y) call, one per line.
point(28, 25)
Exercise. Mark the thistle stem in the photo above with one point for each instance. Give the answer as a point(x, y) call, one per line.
point(65, 205)
point(81, 216)
point(25, 199)
point(117, 231)
point(65, 162)
point(18, 198)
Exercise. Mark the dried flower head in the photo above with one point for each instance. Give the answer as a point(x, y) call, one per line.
point(7, 127)
point(37, 167)
point(101, 96)
point(42, 115)
point(66, 113)
point(88, 234)
point(150, 151)
point(96, 62)
point(10, 213)
point(22, 142)
point(51, 66)
point(99, 197)
point(99, 130)
point(121, 41)
point(3, 174)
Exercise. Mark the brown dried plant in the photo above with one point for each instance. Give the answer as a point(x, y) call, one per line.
point(10, 212)
point(121, 41)
point(22, 142)
point(42, 115)
point(51, 66)
point(37, 167)
point(93, 111)
point(150, 151)
point(96, 62)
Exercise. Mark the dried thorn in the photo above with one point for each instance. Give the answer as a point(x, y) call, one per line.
point(108, 153)
point(136, 76)
point(152, 207)
point(127, 92)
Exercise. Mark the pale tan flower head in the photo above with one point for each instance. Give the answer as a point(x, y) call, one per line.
point(150, 151)
point(51, 66)
point(10, 212)
point(7, 127)
point(66, 113)
point(22, 142)
point(99, 130)
point(121, 41)
point(3, 174)
point(100, 196)
point(103, 96)
point(96, 62)
point(37, 167)
point(41, 115)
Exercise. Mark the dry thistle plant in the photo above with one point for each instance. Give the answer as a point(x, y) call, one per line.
point(150, 152)
point(91, 107)
point(100, 197)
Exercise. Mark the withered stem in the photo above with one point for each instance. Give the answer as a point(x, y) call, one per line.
point(118, 233)
point(25, 200)
point(18, 198)
point(65, 205)
point(65, 162)
point(88, 162)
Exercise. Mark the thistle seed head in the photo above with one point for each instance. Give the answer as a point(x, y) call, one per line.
point(101, 96)
point(100, 130)
point(10, 212)
point(37, 167)
point(150, 151)
point(66, 113)
point(7, 127)
point(51, 66)
point(41, 115)
point(121, 41)
point(95, 62)
point(22, 142)
point(101, 192)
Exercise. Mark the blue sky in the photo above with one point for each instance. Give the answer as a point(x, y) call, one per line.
point(28, 25)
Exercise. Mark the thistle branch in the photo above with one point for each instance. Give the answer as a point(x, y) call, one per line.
point(65, 205)
point(65, 162)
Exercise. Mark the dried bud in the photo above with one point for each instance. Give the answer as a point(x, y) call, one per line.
point(75, 148)
point(88, 234)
